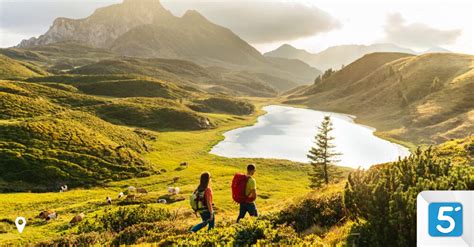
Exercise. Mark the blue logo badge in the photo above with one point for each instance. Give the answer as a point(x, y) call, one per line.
point(445, 219)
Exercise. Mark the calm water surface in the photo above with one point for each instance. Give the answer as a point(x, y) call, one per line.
point(288, 133)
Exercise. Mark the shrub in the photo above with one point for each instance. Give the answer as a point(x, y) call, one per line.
point(385, 196)
point(260, 232)
point(142, 232)
point(314, 210)
point(225, 105)
point(85, 239)
point(118, 220)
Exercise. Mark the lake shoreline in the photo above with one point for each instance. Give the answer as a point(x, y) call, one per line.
point(246, 142)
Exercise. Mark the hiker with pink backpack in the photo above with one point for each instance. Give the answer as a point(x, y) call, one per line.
point(244, 192)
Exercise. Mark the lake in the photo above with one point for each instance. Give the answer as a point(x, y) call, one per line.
point(288, 133)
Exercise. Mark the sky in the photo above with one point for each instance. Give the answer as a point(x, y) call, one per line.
point(313, 25)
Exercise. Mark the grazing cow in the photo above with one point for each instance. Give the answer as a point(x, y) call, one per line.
point(163, 201)
point(121, 194)
point(184, 164)
point(142, 191)
point(52, 216)
point(173, 190)
point(63, 188)
point(108, 200)
point(78, 218)
point(131, 188)
point(44, 214)
point(130, 197)
point(175, 179)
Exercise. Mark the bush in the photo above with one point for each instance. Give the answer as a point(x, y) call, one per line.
point(85, 239)
point(231, 106)
point(260, 232)
point(385, 196)
point(118, 220)
point(152, 232)
point(324, 210)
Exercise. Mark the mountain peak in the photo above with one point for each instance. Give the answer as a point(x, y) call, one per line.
point(140, 1)
point(288, 51)
point(107, 22)
point(193, 15)
point(437, 49)
point(286, 46)
point(148, 3)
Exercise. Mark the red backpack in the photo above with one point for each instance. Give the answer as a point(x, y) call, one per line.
point(239, 182)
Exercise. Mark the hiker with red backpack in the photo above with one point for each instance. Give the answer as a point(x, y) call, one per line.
point(201, 202)
point(244, 192)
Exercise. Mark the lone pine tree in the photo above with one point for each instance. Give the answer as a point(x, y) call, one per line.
point(322, 155)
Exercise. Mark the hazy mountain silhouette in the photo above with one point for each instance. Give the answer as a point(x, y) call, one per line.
point(437, 49)
point(143, 28)
point(335, 56)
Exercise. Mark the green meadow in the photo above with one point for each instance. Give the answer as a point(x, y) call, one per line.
point(278, 181)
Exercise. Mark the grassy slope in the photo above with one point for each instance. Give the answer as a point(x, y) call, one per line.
point(10, 68)
point(46, 140)
point(188, 73)
point(58, 56)
point(278, 181)
point(52, 135)
point(418, 99)
point(69, 57)
point(152, 113)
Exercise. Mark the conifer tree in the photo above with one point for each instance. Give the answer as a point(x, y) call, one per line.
point(322, 155)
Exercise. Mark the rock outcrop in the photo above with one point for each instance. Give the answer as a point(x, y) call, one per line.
point(104, 26)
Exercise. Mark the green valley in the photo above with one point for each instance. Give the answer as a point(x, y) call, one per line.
point(107, 122)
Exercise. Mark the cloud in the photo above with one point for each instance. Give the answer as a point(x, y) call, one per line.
point(35, 16)
point(262, 21)
point(417, 34)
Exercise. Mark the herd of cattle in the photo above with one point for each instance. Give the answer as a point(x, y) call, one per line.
point(130, 194)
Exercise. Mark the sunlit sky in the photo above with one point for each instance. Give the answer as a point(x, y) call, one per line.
point(306, 24)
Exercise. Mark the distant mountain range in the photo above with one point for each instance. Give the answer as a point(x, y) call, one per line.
point(143, 28)
point(336, 56)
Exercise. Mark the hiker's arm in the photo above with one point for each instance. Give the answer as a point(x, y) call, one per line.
point(209, 201)
point(253, 194)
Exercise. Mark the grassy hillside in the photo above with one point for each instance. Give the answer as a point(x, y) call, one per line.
point(61, 95)
point(223, 105)
point(71, 62)
point(356, 71)
point(54, 131)
point(212, 79)
point(153, 114)
point(72, 148)
point(276, 179)
point(158, 68)
point(419, 99)
point(44, 142)
point(135, 88)
point(72, 58)
point(10, 68)
point(58, 57)
point(122, 86)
